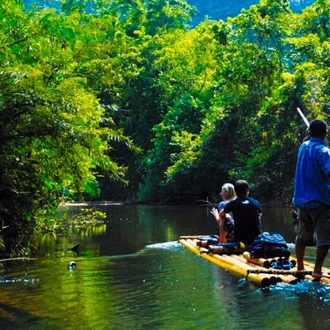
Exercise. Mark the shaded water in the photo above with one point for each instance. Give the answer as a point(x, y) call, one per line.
point(132, 274)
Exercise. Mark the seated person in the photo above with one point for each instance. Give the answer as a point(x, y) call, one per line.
point(246, 213)
point(226, 223)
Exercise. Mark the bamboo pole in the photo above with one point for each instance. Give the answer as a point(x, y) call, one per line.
point(303, 117)
point(197, 237)
point(258, 261)
point(259, 279)
point(262, 279)
point(290, 279)
point(310, 267)
point(252, 267)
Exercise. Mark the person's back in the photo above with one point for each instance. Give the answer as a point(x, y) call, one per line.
point(246, 212)
point(226, 222)
point(312, 186)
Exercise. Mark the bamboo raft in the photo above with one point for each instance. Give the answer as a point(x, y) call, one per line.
point(260, 271)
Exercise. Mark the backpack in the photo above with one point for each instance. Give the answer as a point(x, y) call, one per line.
point(269, 245)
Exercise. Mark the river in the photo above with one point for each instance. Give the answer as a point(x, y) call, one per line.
point(131, 273)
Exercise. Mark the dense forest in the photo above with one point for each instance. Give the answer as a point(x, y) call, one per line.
point(211, 9)
point(125, 100)
point(222, 9)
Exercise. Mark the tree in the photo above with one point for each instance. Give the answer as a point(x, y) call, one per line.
point(55, 138)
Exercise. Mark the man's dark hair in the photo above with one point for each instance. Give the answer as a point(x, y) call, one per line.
point(318, 128)
point(241, 188)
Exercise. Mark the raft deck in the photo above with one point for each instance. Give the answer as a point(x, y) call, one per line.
point(258, 270)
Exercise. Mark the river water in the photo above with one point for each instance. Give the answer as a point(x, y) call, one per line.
point(132, 274)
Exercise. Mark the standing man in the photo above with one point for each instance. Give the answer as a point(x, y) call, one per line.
point(312, 197)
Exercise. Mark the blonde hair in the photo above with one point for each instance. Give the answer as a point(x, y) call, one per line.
point(229, 189)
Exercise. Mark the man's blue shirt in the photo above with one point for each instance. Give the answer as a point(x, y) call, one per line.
point(312, 184)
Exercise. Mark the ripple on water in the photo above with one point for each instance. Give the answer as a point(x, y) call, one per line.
point(173, 245)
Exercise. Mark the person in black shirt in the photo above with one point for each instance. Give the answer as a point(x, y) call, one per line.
point(246, 213)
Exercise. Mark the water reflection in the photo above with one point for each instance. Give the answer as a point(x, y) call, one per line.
point(132, 273)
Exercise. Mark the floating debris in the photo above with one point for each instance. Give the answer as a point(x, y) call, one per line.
point(72, 265)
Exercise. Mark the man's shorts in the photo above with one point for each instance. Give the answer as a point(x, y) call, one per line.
point(314, 226)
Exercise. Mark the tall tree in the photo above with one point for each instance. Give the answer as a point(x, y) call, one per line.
point(54, 135)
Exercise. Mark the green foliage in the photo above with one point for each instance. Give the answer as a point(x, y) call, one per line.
point(55, 136)
point(86, 218)
point(257, 68)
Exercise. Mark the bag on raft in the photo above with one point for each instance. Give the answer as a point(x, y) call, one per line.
point(206, 242)
point(235, 247)
point(269, 245)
